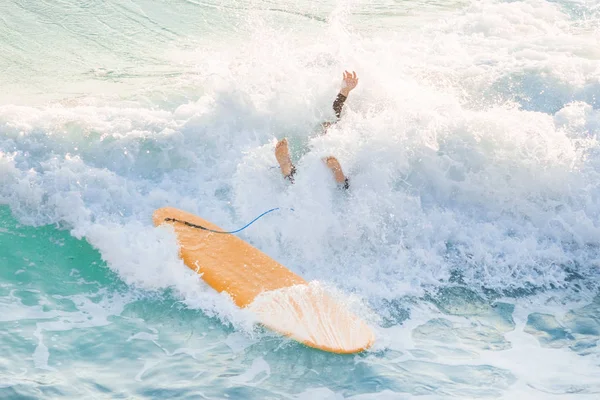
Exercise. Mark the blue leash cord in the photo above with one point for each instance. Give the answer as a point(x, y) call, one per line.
point(212, 230)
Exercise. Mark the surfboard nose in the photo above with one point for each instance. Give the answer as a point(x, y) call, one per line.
point(306, 313)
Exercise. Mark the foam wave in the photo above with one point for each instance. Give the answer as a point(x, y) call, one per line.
point(471, 154)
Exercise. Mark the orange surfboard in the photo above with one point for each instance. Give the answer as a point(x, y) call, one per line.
point(282, 300)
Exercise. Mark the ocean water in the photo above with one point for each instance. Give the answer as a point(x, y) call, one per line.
point(470, 238)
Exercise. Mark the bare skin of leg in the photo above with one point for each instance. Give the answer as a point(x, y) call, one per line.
point(282, 153)
point(335, 167)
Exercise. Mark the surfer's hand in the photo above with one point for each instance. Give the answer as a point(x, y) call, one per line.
point(349, 82)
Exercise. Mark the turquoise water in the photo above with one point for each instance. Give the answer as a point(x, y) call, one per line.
point(469, 239)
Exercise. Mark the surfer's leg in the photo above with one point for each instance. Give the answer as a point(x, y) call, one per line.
point(282, 153)
point(335, 167)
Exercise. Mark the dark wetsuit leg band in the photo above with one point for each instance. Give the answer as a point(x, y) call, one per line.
point(346, 184)
point(290, 177)
point(338, 104)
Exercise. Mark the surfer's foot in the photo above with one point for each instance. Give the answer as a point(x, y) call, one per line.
point(334, 165)
point(282, 153)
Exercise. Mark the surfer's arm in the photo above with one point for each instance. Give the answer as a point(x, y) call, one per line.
point(349, 82)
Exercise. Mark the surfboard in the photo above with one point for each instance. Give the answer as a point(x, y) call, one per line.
point(282, 300)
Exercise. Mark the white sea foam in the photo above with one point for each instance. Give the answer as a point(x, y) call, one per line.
point(471, 144)
point(499, 192)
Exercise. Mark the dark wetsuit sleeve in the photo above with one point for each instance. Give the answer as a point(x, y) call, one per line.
point(338, 104)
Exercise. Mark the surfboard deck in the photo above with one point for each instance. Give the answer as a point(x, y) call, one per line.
point(282, 300)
